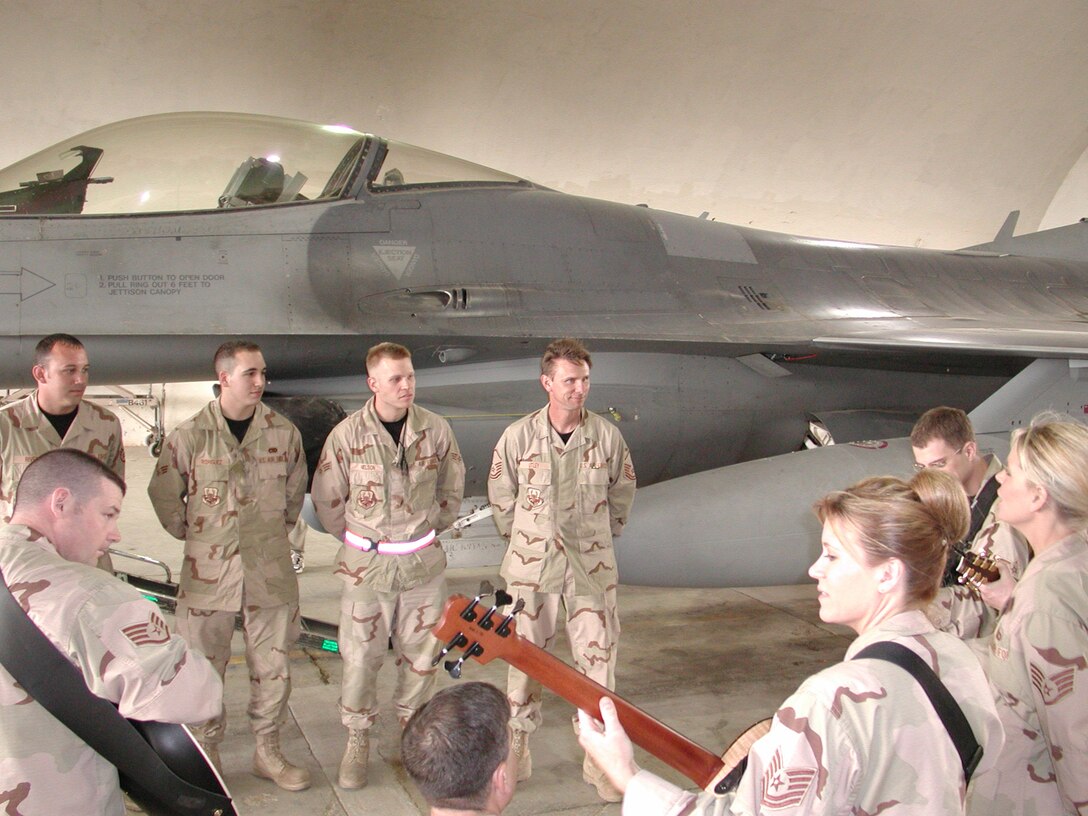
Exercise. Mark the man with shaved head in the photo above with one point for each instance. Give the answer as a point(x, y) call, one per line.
point(64, 517)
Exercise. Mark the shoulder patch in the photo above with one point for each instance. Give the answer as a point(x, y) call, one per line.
point(151, 631)
point(1053, 687)
point(785, 787)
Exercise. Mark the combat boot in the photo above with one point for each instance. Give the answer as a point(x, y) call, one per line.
point(521, 751)
point(598, 779)
point(353, 766)
point(269, 763)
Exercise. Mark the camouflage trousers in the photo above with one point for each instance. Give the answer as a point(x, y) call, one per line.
point(269, 633)
point(366, 627)
point(593, 629)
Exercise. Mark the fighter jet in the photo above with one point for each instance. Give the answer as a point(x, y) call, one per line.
point(155, 239)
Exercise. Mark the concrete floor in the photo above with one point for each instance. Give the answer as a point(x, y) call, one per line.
point(706, 662)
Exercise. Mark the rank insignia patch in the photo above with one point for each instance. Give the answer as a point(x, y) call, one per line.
point(1053, 688)
point(152, 631)
point(785, 787)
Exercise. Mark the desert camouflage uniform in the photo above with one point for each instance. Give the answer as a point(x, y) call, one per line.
point(367, 484)
point(550, 501)
point(1037, 662)
point(233, 505)
point(860, 737)
point(957, 609)
point(121, 644)
point(26, 433)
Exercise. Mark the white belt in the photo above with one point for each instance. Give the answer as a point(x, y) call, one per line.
point(387, 547)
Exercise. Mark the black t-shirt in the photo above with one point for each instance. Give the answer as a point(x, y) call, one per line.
point(238, 427)
point(395, 428)
point(62, 422)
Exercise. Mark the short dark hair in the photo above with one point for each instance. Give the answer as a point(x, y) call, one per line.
point(394, 351)
point(950, 425)
point(226, 352)
point(46, 344)
point(80, 472)
point(452, 746)
point(565, 348)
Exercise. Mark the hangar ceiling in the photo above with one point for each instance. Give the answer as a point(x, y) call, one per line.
point(917, 122)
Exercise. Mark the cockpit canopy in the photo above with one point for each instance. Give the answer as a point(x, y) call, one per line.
point(183, 162)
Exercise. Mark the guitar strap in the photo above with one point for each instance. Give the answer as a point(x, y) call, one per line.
point(50, 678)
point(952, 716)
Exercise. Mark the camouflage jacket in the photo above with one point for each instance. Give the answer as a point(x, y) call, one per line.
point(957, 609)
point(1037, 662)
point(233, 505)
point(26, 433)
point(551, 500)
point(367, 484)
point(859, 737)
point(121, 644)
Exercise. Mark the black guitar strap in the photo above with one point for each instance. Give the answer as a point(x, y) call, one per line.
point(952, 716)
point(51, 679)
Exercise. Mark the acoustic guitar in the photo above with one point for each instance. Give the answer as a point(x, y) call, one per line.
point(485, 633)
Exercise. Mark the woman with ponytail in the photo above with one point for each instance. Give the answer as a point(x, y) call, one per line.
point(860, 736)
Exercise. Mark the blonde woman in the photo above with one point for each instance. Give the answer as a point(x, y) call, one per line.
point(860, 736)
point(1037, 657)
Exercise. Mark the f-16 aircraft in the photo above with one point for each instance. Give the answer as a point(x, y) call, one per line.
point(155, 239)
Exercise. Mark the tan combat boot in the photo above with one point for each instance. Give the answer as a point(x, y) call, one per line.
point(597, 778)
point(521, 751)
point(353, 766)
point(269, 763)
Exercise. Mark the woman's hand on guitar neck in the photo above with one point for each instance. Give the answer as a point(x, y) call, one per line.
point(997, 593)
point(608, 744)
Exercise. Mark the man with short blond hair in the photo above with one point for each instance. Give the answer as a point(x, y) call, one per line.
point(561, 485)
point(56, 416)
point(230, 483)
point(943, 438)
point(390, 477)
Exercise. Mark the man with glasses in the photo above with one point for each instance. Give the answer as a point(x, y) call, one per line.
point(944, 439)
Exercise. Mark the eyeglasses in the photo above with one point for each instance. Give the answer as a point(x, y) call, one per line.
point(939, 464)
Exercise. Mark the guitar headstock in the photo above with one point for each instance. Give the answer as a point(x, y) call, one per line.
point(975, 569)
point(480, 629)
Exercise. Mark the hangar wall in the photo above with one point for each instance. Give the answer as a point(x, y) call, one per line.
point(919, 123)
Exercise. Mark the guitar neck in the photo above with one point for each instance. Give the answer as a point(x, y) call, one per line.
point(672, 748)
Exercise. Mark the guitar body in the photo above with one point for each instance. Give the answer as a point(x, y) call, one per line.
point(465, 625)
point(188, 784)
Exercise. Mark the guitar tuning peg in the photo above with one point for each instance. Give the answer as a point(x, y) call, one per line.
point(456, 641)
point(502, 597)
point(454, 666)
point(504, 627)
point(486, 588)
